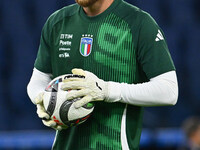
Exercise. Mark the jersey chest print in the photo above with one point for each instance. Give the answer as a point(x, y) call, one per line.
point(113, 46)
point(65, 43)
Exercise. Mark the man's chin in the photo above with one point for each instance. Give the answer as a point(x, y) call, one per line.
point(85, 3)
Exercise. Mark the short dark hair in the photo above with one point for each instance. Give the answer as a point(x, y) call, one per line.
point(190, 125)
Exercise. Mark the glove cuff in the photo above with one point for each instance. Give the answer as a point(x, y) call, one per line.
point(113, 92)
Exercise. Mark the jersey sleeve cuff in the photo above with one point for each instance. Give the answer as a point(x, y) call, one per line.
point(114, 92)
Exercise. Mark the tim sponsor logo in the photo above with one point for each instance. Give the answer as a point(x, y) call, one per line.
point(66, 36)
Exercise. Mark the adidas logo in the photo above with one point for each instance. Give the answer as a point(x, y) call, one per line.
point(159, 36)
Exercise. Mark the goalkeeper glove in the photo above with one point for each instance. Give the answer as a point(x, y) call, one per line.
point(90, 88)
point(47, 121)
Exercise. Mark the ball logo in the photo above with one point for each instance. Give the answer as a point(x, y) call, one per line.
point(86, 45)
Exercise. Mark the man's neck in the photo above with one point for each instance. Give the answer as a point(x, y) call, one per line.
point(97, 8)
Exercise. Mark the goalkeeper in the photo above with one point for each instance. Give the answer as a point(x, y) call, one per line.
point(122, 53)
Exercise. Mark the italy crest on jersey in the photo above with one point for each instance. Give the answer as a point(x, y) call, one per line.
point(86, 45)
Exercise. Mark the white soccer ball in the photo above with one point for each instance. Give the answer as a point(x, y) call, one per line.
point(62, 111)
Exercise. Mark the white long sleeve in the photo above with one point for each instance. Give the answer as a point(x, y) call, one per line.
point(37, 84)
point(159, 91)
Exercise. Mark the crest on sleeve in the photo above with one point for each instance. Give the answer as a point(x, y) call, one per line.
point(86, 45)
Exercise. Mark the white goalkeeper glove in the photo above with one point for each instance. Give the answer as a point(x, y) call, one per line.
point(47, 121)
point(90, 88)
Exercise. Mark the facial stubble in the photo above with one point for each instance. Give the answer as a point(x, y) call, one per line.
point(85, 3)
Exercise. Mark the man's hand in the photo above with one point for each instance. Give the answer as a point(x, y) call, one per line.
point(90, 88)
point(47, 121)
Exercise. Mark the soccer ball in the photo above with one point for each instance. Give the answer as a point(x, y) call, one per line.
point(62, 111)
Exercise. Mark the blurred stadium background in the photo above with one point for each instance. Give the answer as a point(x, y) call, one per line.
point(20, 27)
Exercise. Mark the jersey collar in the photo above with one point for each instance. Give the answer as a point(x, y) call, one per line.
point(94, 18)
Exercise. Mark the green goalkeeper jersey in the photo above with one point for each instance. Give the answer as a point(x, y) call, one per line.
point(123, 44)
